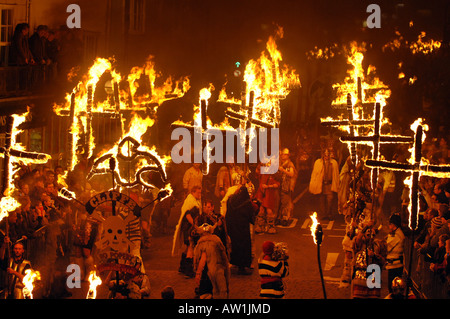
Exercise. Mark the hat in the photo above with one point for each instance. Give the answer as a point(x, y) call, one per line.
point(395, 220)
point(268, 247)
point(437, 221)
point(285, 151)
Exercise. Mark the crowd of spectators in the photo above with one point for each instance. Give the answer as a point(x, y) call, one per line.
point(49, 225)
point(49, 53)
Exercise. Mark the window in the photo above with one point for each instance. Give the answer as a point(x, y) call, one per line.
point(137, 16)
point(6, 33)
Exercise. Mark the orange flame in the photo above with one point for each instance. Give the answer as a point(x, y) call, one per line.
point(28, 280)
point(314, 225)
point(270, 80)
point(94, 281)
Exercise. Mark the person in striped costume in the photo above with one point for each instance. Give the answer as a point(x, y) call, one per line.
point(273, 267)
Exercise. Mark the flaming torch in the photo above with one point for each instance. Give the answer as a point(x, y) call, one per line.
point(317, 234)
point(94, 281)
point(28, 280)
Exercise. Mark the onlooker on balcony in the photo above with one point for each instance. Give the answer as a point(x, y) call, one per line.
point(20, 50)
point(38, 45)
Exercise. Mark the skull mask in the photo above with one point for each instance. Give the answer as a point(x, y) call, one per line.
point(114, 233)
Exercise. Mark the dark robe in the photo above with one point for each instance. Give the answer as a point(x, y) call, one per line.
point(240, 214)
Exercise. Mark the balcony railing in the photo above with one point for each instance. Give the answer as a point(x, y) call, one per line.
point(25, 80)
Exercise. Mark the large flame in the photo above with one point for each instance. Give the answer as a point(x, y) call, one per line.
point(124, 99)
point(94, 281)
point(270, 80)
point(8, 202)
point(370, 90)
point(28, 282)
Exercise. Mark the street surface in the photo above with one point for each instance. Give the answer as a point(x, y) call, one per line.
point(303, 282)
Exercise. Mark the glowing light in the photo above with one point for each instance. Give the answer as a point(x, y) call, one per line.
point(314, 225)
point(94, 282)
point(28, 282)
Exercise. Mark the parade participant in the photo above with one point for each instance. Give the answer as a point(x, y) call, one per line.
point(288, 179)
point(367, 250)
point(223, 180)
point(395, 242)
point(273, 267)
point(324, 182)
point(268, 195)
point(189, 211)
point(240, 214)
point(345, 177)
point(211, 217)
point(210, 258)
point(398, 290)
point(15, 267)
point(192, 177)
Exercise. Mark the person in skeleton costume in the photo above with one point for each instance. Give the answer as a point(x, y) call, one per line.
point(211, 263)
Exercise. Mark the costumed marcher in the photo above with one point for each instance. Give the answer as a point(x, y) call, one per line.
point(189, 211)
point(211, 217)
point(398, 290)
point(324, 183)
point(367, 250)
point(345, 177)
point(223, 180)
point(192, 177)
point(395, 245)
point(86, 234)
point(15, 267)
point(211, 264)
point(347, 247)
point(273, 267)
point(268, 195)
point(240, 214)
point(288, 179)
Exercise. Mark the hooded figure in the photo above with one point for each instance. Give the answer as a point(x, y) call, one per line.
point(240, 214)
point(210, 257)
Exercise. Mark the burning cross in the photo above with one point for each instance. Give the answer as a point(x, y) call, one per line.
point(351, 123)
point(416, 168)
point(200, 126)
point(375, 139)
point(245, 117)
point(88, 114)
point(12, 156)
